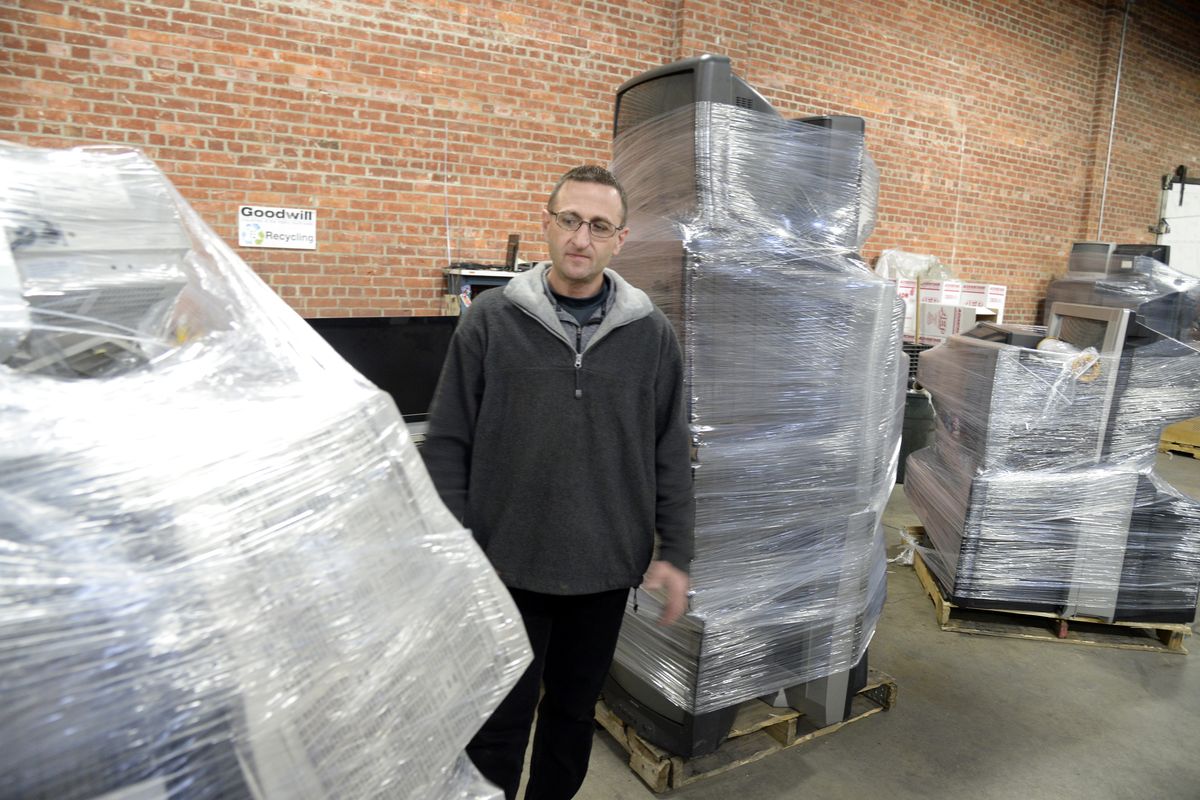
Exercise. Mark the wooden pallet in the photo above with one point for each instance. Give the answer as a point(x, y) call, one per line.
point(1163, 637)
point(1179, 449)
point(1182, 438)
point(758, 731)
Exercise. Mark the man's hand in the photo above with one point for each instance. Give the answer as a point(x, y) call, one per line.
point(674, 583)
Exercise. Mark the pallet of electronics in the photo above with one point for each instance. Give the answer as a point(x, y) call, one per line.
point(1044, 626)
point(758, 731)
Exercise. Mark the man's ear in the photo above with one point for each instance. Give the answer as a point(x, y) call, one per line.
point(620, 239)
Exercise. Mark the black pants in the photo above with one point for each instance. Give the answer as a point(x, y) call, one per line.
point(573, 639)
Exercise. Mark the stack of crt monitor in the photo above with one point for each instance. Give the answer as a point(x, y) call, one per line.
point(225, 572)
point(744, 231)
point(1040, 491)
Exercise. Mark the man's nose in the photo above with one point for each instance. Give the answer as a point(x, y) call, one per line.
point(582, 234)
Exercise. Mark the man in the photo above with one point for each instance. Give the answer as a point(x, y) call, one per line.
point(559, 436)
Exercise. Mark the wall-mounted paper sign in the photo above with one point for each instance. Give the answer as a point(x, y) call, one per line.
point(275, 226)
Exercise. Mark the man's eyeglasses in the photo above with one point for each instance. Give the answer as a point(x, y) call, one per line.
point(598, 228)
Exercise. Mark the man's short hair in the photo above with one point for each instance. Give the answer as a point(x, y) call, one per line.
point(590, 173)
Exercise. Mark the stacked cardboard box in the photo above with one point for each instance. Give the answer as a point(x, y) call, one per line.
point(934, 310)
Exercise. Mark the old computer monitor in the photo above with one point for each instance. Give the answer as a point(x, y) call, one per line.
point(1099, 327)
point(1126, 255)
point(699, 79)
point(1090, 257)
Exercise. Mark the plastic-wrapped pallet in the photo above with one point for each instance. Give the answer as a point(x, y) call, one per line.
point(1018, 538)
point(1039, 491)
point(744, 230)
point(224, 571)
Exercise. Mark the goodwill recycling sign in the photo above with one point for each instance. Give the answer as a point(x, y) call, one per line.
point(276, 226)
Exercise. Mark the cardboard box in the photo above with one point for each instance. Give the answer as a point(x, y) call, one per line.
point(945, 292)
point(984, 295)
point(987, 298)
point(937, 321)
point(906, 290)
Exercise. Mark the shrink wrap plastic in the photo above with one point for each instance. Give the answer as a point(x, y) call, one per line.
point(744, 229)
point(224, 571)
point(897, 264)
point(1166, 300)
point(1039, 491)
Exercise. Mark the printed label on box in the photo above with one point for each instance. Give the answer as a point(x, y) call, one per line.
point(946, 292)
point(983, 295)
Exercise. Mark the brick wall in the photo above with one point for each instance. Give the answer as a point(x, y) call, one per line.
point(428, 131)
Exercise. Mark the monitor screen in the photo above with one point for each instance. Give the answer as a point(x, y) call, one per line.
point(1089, 257)
point(1104, 329)
point(403, 356)
point(1083, 333)
point(1090, 326)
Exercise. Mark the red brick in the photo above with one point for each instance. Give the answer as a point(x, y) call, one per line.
point(988, 120)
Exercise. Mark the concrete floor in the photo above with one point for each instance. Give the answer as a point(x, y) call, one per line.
point(981, 717)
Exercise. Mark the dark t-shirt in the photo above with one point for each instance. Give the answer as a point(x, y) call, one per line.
point(582, 308)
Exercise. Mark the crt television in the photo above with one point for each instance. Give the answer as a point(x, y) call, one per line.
point(699, 79)
point(710, 78)
point(1125, 255)
point(403, 356)
point(1090, 257)
point(1102, 328)
point(1113, 259)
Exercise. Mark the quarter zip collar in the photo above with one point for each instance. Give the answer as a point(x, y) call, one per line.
point(530, 293)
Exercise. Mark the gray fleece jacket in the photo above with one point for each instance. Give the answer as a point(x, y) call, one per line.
point(564, 464)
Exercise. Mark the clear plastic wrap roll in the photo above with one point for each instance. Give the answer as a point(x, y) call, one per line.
point(1039, 491)
point(744, 230)
point(224, 571)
